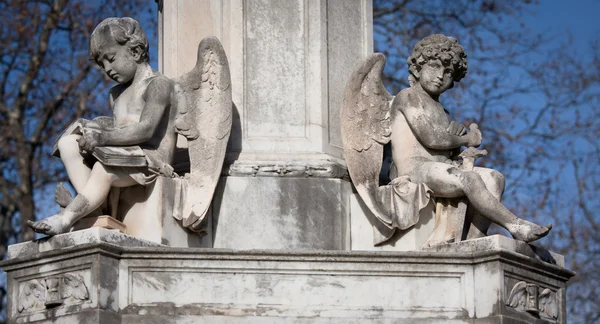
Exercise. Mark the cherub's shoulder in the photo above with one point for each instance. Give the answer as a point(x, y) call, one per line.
point(408, 94)
point(158, 86)
point(407, 98)
point(160, 81)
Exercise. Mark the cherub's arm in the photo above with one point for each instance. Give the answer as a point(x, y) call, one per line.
point(430, 134)
point(102, 123)
point(157, 97)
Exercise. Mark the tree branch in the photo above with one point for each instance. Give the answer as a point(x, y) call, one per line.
point(387, 11)
point(582, 202)
point(51, 107)
point(37, 59)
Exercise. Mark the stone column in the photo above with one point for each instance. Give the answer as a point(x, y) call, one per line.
point(289, 64)
point(285, 182)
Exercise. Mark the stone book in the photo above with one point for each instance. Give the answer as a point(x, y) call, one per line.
point(127, 156)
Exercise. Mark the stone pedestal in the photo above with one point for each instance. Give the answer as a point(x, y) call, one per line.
point(299, 213)
point(289, 63)
point(147, 211)
point(99, 276)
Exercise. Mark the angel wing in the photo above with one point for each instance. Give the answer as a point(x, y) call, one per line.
point(73, 287)
point(548, 304)
point(365, 126)
point(31, 296)
point(203, 99)
point(517, 295)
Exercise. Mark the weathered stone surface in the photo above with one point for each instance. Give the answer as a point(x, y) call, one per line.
point(148, 212)
point(281, 213)
point(67, 240)
point(501, 243)
point(349, 39)
point(286, 165)
point(470, 282)
point(289, 62)
point(363, 233)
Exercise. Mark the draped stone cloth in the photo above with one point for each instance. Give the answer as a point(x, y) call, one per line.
point(406, 200)
point(158, 165)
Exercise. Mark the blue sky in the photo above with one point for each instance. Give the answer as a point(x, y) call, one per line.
point(580, 17)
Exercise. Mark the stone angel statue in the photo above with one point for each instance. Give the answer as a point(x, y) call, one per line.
point(129, 157)
point(425, 143)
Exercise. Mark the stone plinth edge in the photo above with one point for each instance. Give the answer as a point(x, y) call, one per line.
point(74, 239)
point(159, 284)
point(500, 243)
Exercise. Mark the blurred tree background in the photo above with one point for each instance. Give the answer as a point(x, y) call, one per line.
point(535, 97)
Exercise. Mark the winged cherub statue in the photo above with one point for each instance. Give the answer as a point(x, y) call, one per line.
point(424, 142)
point(137, 144)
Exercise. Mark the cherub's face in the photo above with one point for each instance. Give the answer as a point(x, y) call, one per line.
point(117, 61)
point(435, 78)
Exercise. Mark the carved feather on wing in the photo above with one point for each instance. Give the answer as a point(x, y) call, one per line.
point(203, 98)
point(548, 304)
point(365, 126)
point(517, 295)
point(73, 287)
point(31, 296)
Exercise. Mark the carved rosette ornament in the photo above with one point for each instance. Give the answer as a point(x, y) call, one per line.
point(533, 299)
point(65, 289)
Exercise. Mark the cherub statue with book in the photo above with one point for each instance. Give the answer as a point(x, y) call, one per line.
point(425, 145)
point(138, 143)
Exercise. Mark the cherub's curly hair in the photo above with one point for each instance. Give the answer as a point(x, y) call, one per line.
point(438, 46)
point(125, 31)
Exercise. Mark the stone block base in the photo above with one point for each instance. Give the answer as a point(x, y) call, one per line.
point(147, 211)
point(300, 213)
point(118, 280)
point(281, 213)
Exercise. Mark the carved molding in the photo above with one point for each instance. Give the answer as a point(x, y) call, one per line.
point(317, 169)
point(64, 289)
point(531, 298)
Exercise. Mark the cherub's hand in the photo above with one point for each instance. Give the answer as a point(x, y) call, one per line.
point(90, 139)
point(456, 128)
point(474, 136)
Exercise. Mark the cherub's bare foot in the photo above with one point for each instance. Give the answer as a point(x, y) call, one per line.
point(528, 231)
point(52, 225)
point(432, 243)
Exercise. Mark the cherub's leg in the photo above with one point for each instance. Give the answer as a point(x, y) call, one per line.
point(70, 154)
point(448, 181)
point(494, 182)
point(90, 198)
